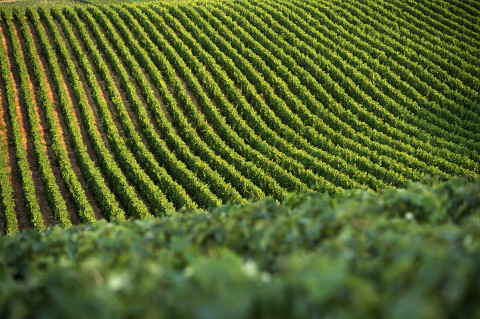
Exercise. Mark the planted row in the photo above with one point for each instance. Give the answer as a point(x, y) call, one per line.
point(158, 174)
point(199, 191)
point(295, 175)
point(349, 93)
point(152, 194)
point(77, 194)
point(185, 129)
point(52, 191)
point(105, 198)
point(28, 186)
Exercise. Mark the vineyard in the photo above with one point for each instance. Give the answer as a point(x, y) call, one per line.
point(117, 112)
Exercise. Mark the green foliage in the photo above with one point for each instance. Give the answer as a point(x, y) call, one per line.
point(176, 107)
point(92, 174)
point(360, 254)
point(195, 104)
point(28, 187)
point(23, 4)
point(83, 208)
point(54, 197)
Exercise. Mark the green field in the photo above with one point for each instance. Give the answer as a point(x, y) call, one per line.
point(118, 112)
point(240, 159)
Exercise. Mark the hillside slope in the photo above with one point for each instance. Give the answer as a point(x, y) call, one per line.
point(130, 111)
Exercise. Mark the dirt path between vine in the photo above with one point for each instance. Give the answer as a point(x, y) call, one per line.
point(62, 128)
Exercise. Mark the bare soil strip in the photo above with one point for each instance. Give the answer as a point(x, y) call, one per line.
point(47, 214)
point(62, 128)
point(46, 141)
point(20, 208)
point(4, 149)
point(8, 147)
point(32, 89)
point(4, 135)
point(3, 129)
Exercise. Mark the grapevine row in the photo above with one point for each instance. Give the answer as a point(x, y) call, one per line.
point(250, 128)
point(303, 154)
point(401, 66)
point(434, 122)
point(83, 208)
point(118, 179)
point(218, 186)
point(170, 105)
point(218, 143)
point(290, 118)
point(221, 124)
point(176, 193)
point(434, 67)
point(400, 112)
point(54, 198)
point(333, 121)
point(389, 135)
point(31, 203)
point(105, 198)
point(153, 195)
point(433, 40)
point(199, 147)
point(7, 204)
point(202, 194)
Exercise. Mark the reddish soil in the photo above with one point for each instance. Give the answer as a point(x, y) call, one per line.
point(46, 141)
point(20, 208)
point(8, 147)
point(47, 214)
point(4, 150)
point(63, 131)
point(4, 132)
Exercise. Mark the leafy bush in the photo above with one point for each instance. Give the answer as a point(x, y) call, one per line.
point(398, 253)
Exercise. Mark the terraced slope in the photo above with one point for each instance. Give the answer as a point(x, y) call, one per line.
point(117, 112)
